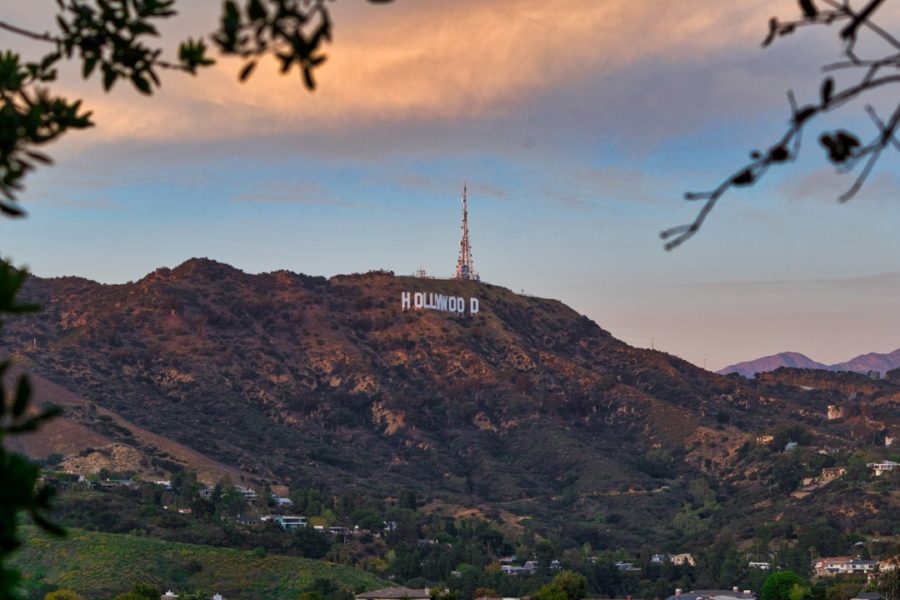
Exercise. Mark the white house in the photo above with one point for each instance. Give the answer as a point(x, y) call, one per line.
point(883, 467)
point(287, 522)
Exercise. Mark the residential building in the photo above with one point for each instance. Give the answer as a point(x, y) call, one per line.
point(396, 593)
point(885, 466)
point(843, 565)
point(282, 501)
point(248, 493)
point(683, 559)
point(732, 594)
point(763, 566)
point(287, 522)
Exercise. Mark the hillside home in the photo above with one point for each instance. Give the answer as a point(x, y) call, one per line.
point(835, 412)
point(732, 594)
point(685, 558)
point(885, 466)
point(248, 493)
point(832, 473)
point(396, 593)
point(867, 596)
point(843, 565)
point(626, 566)
point(659, 559)
point(282, 501)
point(286, 522)
point(763, 566)
point(511, 570)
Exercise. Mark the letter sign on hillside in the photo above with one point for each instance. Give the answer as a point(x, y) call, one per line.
point(440, 302)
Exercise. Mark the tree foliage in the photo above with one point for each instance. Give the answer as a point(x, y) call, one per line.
point(19, 486)
point(784, 585)
point(843, 149)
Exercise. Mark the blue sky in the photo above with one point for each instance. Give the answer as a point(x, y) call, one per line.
point(578, 127)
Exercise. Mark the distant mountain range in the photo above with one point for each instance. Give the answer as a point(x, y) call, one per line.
point(863, 363)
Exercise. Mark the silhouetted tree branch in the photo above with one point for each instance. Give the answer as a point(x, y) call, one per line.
point(843, 149)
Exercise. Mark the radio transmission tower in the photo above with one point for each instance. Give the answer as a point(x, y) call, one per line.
point(465, 266)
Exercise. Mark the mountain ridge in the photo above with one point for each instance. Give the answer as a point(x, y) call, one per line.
point(528, 407)
point(863, 363)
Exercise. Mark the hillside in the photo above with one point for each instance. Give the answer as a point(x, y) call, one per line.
point(101, 565)
point(526, 408)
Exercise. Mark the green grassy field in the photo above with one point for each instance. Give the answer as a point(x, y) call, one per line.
point(101, 565)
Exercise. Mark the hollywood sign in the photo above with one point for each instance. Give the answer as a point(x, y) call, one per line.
point(431, 301)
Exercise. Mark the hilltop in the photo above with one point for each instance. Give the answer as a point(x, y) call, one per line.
point(526, 409)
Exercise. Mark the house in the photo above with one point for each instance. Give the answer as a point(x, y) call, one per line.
point(885, 466)
point(248, 493)
point(659, 559)
point(843, 565)
point(282, 501)
point(763, 566)
point(206, 493)
point(626, 566)
point(286, 522)
point(732, 594)
point(867, 596)
point(168, 596)
point(396, 593)
point(683, 559)
point(835, 412)
point(511, 570)
point(832, 473)
point(889, 564)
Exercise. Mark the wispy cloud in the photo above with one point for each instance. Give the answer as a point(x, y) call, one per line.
point(430, 61)
point(301, 194)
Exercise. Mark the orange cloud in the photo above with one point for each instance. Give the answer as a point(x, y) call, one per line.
point(432, 60)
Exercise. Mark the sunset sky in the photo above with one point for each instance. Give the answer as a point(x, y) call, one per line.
point(578, 125)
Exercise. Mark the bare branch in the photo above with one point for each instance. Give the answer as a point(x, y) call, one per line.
point(844, 149)
point(41, 37)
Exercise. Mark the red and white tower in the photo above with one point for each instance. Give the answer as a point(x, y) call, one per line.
point(465, 266)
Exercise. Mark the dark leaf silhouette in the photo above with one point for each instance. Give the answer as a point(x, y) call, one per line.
point(827, 90)
point(809, 9)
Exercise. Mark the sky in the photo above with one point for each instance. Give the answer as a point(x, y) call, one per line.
point(577, 124)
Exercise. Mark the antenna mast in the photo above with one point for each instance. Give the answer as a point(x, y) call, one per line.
point(465, 266)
